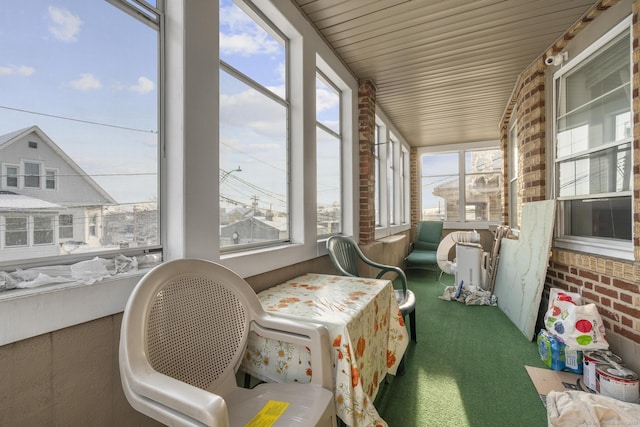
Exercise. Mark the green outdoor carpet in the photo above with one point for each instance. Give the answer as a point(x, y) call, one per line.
point(467, 368)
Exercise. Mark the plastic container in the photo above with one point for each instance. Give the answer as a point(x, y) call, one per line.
point(556, 355)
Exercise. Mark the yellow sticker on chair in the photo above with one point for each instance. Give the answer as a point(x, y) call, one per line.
point(269, 414)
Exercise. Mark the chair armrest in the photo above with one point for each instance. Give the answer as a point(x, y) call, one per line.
point(174, 398)
point(305, 333)
point(403, 277)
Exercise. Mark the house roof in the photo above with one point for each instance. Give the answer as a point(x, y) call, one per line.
point(10, 138)
point(10, 201)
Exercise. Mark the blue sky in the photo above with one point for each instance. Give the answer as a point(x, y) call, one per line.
point(87, 61)
point(252, 125)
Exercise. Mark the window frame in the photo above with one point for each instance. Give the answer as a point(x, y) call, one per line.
point(7, 175)
point(50, 176)
point(27, 176)
point(615, 248)
point(339, 136)
point(393, 192)
point(264, 22)
point(188, 144)
point(64, 227)
point(461, 149)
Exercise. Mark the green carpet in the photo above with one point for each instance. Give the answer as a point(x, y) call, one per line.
point(467, 368)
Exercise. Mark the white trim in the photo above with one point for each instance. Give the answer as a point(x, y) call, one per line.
point(26, 313)
point(602, 41)
point(597, 246)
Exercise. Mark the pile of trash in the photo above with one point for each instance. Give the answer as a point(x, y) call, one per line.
point(469, 294)
point(86, 272)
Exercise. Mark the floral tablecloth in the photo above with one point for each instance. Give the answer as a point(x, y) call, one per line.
point(366, 329)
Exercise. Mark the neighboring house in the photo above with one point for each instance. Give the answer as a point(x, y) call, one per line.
point(48, 204)
point(254, 229)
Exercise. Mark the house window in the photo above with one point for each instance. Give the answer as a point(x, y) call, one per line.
point(93, 225)
point(65, 226)
point(42, 230)
point(593, 157)
point(328, 157)
point(254, 130)
point(12, 176)
point(50, 180)
point(84, 124)
point(462, 186)
point(16, 233)
point(32, 175)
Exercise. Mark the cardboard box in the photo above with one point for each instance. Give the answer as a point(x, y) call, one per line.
point(547, 380)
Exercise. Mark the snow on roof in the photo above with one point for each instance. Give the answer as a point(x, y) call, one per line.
point(10, 201)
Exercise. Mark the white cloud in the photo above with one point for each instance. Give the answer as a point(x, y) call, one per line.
point(65, 26)
point(15, 70)
point(251, 110)
point(326, 100)
point(144, 85)
point(86, 82)
point(241, 35)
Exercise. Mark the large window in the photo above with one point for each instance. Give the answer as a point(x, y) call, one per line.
point(79, 112)
point(593, 159)
point(254, 130)
point(462, 186)
point(391, 164)
point(15, 232)
point(328, 156)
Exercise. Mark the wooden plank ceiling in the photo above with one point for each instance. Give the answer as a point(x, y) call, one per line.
point(444, 70)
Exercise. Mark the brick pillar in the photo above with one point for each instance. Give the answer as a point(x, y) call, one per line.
point(366, 132)
point(414, 188)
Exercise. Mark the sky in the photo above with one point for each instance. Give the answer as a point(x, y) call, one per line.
point(253, 126)
point(94, 68)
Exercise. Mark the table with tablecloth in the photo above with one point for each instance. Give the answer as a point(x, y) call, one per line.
point(366, 330)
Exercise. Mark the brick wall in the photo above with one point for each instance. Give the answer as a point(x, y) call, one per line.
point(414, 189)
point(366, 136)
point(613, 285)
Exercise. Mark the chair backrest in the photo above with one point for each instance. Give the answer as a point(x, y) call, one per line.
point(193, 316)
point(429, 235)
point(344, 254)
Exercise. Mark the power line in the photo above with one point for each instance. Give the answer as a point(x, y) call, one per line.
point(77, 120)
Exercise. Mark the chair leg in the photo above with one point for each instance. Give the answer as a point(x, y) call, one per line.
point(412, 319)
point(400, 370)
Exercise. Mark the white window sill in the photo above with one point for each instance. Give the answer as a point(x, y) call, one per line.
point(610, 249)
point(25, 313)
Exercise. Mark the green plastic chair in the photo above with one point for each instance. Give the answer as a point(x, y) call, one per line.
point(344, 254)
point(423, 251)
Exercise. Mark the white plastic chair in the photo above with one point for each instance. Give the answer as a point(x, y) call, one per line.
point(184, 332)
